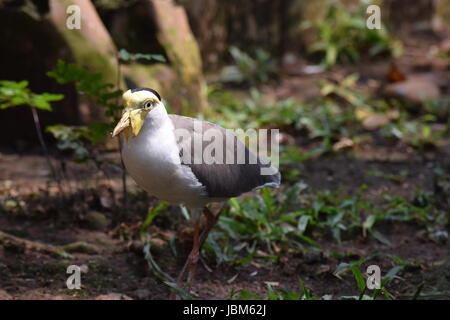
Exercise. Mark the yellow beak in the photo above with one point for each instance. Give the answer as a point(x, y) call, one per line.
point(123, 124)
point(134, 119)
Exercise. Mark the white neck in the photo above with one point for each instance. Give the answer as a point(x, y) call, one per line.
point(157, 118)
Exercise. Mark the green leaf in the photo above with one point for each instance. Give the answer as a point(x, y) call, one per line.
point(14, 84)
point(340, 268)
point(331, 56)
point(377, 235)
point(51, 96)
point(302, 224)
point(368, 224)
point(158, 57)
point(268, 199)
point(392, 274)
point(17, 93)
point(40, 103)
point(358, 277)
point(179, 290)
point(97, 131)
point(152, 214)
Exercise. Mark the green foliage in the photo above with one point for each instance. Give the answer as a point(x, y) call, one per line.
point(14, 93)
point(319, 119)
point(422, 209)
point(355, 268)
point(344, 36)
point(439, 108)
point(17, 93)
point(152, 213)
point(105, 95)
point(346, 91)
point(418, 133)
point(254, 112)
point(276, 293)
point(337, 115)
point(399, 178)
point(250, 70)
point(90, 84)
point(71, 138)
point(325, 120)
point(80, 139)
point(254, 227)
point(258, 220)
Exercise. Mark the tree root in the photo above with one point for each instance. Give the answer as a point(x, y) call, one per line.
point(20, 245)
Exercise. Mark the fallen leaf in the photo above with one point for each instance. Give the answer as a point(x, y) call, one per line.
point(231, 280)
point(272, 283)
point(342, 144)
point(375, 121)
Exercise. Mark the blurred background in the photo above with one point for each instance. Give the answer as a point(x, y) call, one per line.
point(364, 117)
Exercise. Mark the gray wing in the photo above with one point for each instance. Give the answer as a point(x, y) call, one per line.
point(220, 179)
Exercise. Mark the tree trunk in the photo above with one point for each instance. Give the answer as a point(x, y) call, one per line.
point(175, 35)
point(91, 46)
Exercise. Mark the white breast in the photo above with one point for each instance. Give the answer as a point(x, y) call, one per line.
point(152, 159)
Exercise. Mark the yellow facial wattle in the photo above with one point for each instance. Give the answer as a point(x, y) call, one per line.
point(137, 106)
point(137, 118)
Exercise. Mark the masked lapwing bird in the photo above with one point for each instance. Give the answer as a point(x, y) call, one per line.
point(187, 161)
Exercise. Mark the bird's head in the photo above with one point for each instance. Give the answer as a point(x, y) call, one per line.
point(138, 103)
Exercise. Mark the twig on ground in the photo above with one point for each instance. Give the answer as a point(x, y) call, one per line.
point(8, 240)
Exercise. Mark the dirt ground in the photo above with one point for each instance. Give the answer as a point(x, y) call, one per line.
point(114, 263)
point(104, 240)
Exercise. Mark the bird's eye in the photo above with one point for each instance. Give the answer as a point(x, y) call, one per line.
point(148, 105)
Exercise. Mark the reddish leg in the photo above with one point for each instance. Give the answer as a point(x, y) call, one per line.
point(211, 220)
point(192, 260)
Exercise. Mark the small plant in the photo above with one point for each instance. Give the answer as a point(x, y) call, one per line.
point(439, 108)
point(76, 139)
point(90, 84)
point(256, 222)
point(344, 37)
point(324, 120)
point(250, 70)
point(105, 95)
point(80, 140)
point(257, 227)
point(419, 133)
point(355, 268)
point(14, 94)
point(276, 293)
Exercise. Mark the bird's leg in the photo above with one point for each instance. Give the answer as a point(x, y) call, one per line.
point(192, 260)
point(193, 257)
point(211, 220)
